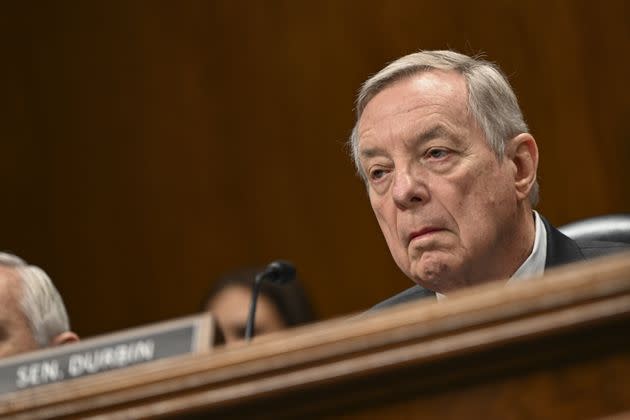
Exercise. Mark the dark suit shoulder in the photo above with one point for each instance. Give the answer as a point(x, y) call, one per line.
point(563, 250)
point(592, 249)
point(408, 295)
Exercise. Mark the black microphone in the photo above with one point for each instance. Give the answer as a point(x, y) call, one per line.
point(279, 272)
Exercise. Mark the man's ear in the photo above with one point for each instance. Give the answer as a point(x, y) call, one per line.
point(64, 338)
point(523, 153)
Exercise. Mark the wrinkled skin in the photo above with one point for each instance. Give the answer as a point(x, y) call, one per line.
point(452, 213)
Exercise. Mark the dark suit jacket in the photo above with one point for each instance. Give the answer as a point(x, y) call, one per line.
point(560, 250)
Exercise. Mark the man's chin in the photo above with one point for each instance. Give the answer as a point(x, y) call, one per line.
point(438, 276)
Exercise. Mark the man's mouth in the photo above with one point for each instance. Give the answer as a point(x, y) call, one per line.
point(423, 233)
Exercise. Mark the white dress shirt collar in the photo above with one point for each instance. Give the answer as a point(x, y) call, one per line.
point(534, 265)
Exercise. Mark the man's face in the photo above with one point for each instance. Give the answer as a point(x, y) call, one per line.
point(15, 333)
point(445, 203)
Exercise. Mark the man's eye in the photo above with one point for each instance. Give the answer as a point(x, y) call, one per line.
point(376, 174)
point(437, 153)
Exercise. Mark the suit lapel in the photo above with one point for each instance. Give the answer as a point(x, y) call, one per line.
point(560, 248)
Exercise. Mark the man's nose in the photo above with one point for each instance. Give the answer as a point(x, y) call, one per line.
point(408, 189)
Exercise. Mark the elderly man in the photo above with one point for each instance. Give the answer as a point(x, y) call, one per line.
point(32, 314)
point(450, 170)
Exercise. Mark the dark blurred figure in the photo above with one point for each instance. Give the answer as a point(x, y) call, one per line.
point(279, 306)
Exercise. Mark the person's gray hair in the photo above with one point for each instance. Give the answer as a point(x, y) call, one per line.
point(491, 100)
point(40, 301)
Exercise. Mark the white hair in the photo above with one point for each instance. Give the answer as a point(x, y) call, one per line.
point(41, 302)
point(491, 100)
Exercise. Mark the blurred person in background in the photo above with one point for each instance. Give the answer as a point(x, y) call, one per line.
point(279, 306)
point(32, 313)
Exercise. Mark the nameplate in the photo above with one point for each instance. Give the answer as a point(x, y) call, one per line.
point(107, 352)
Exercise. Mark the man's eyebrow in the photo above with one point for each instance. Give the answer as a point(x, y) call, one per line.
point(435, 132)
point(371, 152)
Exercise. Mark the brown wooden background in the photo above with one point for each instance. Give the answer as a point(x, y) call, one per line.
point(148, 146)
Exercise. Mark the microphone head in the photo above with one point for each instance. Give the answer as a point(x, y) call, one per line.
point(279, 272)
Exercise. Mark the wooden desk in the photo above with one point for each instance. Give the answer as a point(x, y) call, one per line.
point(556, 347)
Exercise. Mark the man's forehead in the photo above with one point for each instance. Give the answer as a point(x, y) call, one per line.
point(9, 281)
point(423, 87)
point(442, 91)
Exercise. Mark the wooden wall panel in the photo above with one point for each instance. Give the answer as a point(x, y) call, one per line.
point(151, 145)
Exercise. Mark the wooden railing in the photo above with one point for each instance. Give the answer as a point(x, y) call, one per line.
point(554, 347)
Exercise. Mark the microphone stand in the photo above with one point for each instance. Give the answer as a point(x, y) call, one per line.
point(278, 272)
point(249, 327)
